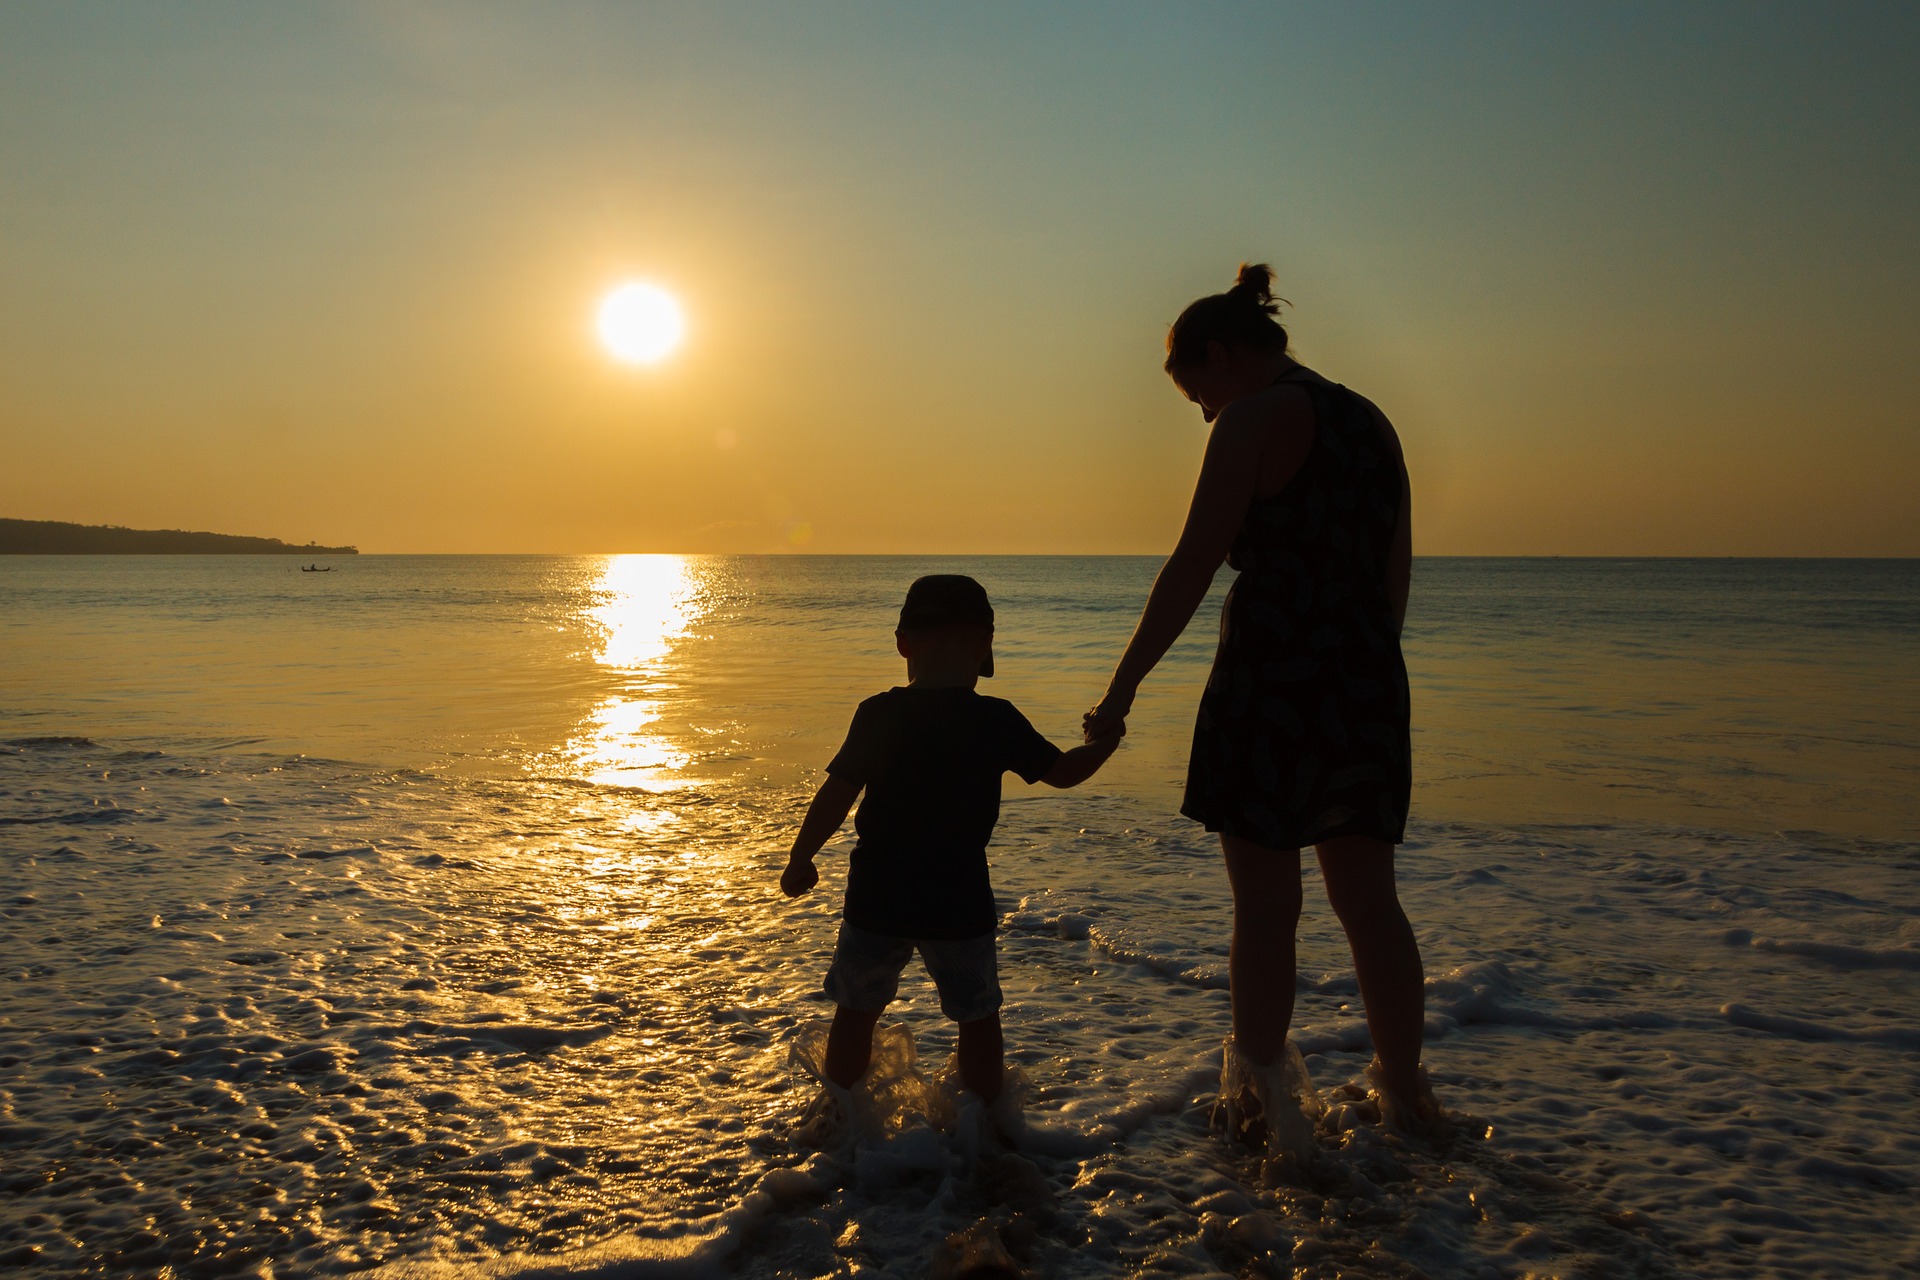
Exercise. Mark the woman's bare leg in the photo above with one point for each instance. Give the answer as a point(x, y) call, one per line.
point(1386, 958)
point(1266, 910)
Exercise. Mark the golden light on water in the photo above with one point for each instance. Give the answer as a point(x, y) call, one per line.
point(640, 323)
point(643, 604)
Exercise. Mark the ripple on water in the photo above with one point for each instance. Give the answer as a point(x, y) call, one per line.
point(385, 1021)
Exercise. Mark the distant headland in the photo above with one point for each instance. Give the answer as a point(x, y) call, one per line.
point(56, 538)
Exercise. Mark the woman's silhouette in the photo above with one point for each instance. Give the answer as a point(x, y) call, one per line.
point(1302, 735)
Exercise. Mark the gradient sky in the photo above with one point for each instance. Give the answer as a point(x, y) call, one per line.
point(1629, 279)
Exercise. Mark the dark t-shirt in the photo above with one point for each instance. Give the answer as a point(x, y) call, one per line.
point(931, 760)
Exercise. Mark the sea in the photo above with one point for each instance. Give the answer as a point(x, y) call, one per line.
point(419, 918)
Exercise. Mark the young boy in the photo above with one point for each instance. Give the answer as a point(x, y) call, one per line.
point(929, 756)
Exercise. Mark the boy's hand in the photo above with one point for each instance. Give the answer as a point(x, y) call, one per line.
point(798, 877)
point(1098, 725)
point(1077, 764)
point(831, 804)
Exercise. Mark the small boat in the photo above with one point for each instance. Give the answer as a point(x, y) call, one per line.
point(314, 568)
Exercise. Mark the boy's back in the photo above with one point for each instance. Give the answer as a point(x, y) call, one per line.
point(929, 757)
point(930, 760)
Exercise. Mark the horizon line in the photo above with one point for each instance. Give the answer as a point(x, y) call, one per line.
point(1121, 555)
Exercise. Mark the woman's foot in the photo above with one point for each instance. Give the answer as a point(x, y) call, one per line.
point(1269, 1106)
point(1413, 1111)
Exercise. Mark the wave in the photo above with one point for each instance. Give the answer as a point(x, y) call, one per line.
point(1841, 954)
point(1803, 1029)
point(101, 816)
point(701, 1253)
point(1043, 919)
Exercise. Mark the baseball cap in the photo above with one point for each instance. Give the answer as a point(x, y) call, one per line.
point(945, 600)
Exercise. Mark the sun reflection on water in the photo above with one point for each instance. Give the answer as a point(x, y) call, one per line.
point(642, 605)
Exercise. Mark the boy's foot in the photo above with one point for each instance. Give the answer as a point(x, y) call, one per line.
point(1007, 1112)
point(976, 1253)
point(1418, 1115)
point(824, 1120)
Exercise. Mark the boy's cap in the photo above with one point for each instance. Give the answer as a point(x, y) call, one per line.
point(945, 600)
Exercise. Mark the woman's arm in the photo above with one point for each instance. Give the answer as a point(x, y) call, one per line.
point(1400, 554)
point(1220, 501)
point(1400, 560)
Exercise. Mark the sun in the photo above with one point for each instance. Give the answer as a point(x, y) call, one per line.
point(640, 323)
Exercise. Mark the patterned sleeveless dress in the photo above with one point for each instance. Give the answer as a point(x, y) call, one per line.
point(1303, 732)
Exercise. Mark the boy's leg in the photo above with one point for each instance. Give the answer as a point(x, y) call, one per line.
point(861, 982)
point(1266, 911)
point(1386, 956)
point(967, 972)
point(982, 1062)
point(850, 1044)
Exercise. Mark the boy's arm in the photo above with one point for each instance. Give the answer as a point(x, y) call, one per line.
point(824, 816)
point(1075, 766)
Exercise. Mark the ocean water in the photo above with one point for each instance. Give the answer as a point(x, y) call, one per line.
point(420, 918)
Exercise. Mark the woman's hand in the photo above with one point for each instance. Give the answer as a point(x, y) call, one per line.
point(1104, 721)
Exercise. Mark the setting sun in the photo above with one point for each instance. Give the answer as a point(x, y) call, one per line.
point(640, 323)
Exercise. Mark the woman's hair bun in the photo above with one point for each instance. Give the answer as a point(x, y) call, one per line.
point(1242, 317)
point(1255, 283)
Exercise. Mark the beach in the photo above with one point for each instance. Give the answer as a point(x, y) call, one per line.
point(421, 917)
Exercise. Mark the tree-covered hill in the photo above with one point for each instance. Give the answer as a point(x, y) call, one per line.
point(56, 538)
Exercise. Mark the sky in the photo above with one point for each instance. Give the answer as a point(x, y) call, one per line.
point(1629, 279)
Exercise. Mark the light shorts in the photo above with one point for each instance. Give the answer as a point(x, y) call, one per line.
point(865, 974)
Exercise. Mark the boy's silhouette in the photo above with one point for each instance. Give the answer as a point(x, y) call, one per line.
point(929, 756)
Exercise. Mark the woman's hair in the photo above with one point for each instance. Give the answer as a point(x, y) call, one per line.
point(1241, 317)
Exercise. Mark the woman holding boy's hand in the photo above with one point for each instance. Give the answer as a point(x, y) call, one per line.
point(1302, 737)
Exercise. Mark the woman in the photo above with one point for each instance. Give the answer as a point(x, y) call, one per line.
point(1302, 735)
